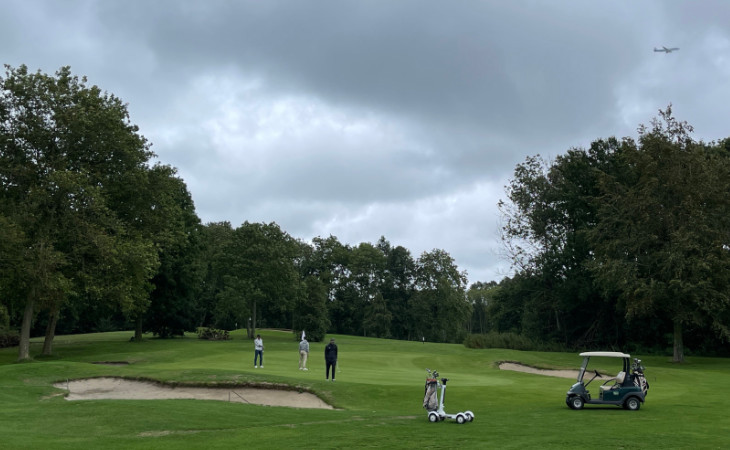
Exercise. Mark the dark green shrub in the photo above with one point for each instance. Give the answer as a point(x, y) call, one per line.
point(9, 338)
point(213, 334)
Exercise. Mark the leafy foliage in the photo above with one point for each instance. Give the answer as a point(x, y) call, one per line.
point(213, 334)
point(663, 230)
point(310, 311)
point(69, 159)
point(619, 242)
point(8, 338)
point(624, 244)
point(177, 233)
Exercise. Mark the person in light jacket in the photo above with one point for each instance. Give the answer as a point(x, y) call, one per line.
point(303, 354)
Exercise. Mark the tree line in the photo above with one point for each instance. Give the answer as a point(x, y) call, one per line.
point(94, 236)
point(258, 275)
point(624, 244)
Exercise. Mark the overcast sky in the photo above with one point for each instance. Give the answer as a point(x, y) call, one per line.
point(394, 118)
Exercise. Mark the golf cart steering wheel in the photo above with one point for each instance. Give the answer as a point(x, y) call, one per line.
point(597, 375)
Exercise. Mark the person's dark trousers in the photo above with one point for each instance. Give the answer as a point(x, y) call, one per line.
point(331, 364)
point(258, 354)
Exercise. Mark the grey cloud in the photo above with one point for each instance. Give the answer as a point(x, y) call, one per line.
point(395, 118)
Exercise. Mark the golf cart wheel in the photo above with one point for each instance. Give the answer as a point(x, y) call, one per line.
point(632, 404)
point(460, 418)
point(575, 402)
point(469, 416)
point(433, 417)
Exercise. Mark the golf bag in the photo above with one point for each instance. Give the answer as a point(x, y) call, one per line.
point(638, 376)
point(430, 400)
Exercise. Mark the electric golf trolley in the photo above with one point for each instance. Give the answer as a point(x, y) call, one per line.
point(435, 404)
point(628, 389)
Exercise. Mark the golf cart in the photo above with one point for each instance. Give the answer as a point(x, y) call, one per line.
point(627, 389)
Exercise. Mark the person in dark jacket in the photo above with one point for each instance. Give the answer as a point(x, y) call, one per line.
point(330, 358)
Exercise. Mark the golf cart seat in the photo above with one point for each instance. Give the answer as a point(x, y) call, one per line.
point(619, 380)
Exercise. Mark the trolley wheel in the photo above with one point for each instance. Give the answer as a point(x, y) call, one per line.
point(433, 417)
point(460, 418)
point(469, 416)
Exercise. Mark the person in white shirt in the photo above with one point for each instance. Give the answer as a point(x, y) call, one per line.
point(258, 345)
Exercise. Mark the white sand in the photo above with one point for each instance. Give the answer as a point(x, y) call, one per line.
point(551, 373)
point(121, 389)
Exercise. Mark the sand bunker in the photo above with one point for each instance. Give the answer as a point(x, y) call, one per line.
point(527, 369)
point(122, 389)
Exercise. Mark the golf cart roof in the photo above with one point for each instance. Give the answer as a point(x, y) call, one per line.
point(608, 354)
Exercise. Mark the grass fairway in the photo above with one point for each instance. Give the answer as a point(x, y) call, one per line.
point(379, 393)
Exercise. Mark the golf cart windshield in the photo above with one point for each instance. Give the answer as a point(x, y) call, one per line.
point(587, 356)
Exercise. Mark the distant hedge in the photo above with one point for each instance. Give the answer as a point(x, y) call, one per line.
point(511, 341)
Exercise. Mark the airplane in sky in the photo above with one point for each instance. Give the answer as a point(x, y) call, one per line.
point(666, 50)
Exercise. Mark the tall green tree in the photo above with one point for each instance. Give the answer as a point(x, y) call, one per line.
point(508, 305)
point(552, 206)
point(480, 295)
point(439, 307)
point(310, 310)
point(366, 267)
point(625, 236)
point(323, 269)
point(329, 261)
point(262, 270)
point(66, 151)
point(216, 241)
point(663, 230)
point(12, 251)
point(377, 318)
point(397, 287)
point(176, 231)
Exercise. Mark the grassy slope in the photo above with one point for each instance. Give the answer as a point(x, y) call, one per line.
point(379, 389)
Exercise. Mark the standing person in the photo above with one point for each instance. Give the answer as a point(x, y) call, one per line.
point(303, 354)
point(258, 345)
point(330, 357)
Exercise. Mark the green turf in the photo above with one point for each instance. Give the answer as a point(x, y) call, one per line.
point(378, 393)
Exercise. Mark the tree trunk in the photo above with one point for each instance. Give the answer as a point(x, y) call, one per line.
point(253, 323)
point(24, 346)
point(678, 343)
point(138, 329)
point(50, 331)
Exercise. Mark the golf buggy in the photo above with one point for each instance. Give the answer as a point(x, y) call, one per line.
point(434, 406)
point(627, 389)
